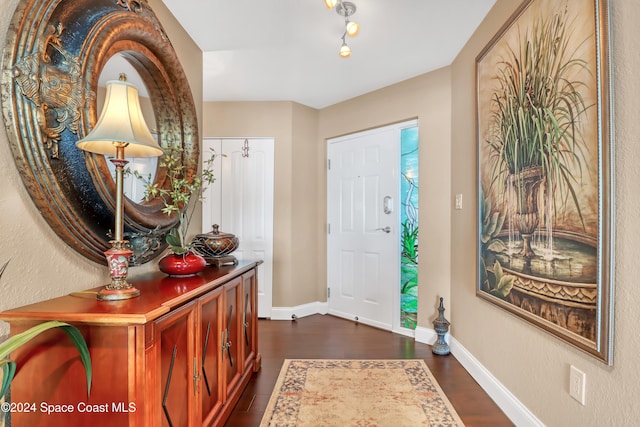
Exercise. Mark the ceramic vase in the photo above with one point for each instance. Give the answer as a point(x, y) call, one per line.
point(182, 265)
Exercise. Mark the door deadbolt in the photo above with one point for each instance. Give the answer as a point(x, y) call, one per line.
point(387, 205)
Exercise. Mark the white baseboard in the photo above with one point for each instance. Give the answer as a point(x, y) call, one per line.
point(428, 335)
point(290, 313)
point(507, 402)
point(510, 405)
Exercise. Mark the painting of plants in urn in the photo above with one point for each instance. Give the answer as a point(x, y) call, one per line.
point(543, 170)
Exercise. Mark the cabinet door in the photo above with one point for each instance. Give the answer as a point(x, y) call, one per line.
point(210, 356)
point(175, 338)
point(249, 336)
point(232, 363)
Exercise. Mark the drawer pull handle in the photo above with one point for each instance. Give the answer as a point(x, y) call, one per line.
point(226, 344)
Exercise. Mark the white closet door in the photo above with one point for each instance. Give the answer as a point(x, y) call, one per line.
point(241, 202)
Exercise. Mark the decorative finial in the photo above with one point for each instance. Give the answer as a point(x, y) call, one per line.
point(441, 326)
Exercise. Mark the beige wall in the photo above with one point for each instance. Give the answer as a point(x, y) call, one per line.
point(532, 364)
point(42, 266)
point(307, 227)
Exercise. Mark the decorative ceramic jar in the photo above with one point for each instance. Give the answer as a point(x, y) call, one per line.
point(216, 246)
point(182, 265)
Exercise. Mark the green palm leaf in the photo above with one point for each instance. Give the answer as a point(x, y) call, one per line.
point(8, 371)
point(14, 342)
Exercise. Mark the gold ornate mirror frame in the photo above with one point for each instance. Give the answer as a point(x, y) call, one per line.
point(55, 52)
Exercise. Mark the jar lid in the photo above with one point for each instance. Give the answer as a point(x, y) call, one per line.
point(215, 233)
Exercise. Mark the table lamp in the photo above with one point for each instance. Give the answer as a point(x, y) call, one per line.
point(121, 126)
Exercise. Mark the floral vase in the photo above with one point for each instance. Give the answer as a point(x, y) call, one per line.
point(182, 265)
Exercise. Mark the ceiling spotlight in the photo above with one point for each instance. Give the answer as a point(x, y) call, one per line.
point(352, 28)
point(330, 3)
point(345, 52)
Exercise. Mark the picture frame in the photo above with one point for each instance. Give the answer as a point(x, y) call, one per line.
point(545, 208)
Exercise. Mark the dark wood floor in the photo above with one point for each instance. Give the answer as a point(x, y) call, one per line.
point(328, 337)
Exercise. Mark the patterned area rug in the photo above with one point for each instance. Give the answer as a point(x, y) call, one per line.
point(344, 393)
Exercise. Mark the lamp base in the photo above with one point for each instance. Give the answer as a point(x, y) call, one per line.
point(118, 262)
point(107, 294)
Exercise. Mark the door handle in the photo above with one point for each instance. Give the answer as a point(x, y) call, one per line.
point(386, 229)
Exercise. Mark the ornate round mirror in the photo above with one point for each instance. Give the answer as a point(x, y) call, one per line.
point(56, 51)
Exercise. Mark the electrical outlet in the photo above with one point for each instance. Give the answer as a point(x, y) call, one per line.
point(577, 384)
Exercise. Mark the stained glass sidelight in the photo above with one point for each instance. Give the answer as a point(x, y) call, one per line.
point(409, 225)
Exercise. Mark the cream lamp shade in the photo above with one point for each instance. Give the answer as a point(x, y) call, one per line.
point(121, 121)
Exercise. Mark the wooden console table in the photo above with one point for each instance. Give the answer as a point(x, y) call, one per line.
point(179, 355)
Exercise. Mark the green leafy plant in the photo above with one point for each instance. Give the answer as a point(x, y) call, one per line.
point(8, 366)
point(409, 243)
point(409, 294)
point(536, 110)
point(498, 283)
point(177, 194)
point(409, 273)
point(492, 223)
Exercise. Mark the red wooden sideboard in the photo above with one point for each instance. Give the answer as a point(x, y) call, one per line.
point(179, 355)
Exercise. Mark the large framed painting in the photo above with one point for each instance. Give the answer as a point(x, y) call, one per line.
point(544, 171)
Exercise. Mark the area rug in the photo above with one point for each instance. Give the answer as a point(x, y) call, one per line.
point(324, 393)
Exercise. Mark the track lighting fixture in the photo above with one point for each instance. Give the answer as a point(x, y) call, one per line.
point(345, 9)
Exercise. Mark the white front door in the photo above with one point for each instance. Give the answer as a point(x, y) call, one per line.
point(362, 244)
point(241, 202)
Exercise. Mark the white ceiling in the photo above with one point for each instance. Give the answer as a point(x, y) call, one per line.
point(287, 50)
